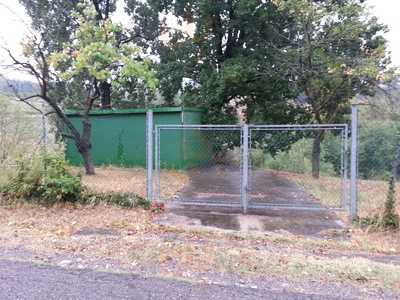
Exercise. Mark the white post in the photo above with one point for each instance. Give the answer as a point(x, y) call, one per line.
point(354, 163)
point(245, 165)
point(149, 154)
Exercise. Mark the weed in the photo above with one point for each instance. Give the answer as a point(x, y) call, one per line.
point(390, 218)
point(124, 200)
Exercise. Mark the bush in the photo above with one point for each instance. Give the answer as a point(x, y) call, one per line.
point(377, 149)
point(390, 218)
point(331, 152)
point(297, 160)
point(44, 177)
point(47, 178)
point(123, 200)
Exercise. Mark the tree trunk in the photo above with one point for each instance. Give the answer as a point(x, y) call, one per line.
point(87, 160)
point(105, 90)
point(85, 146)
point(316, 155)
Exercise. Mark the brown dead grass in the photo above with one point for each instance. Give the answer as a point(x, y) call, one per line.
point(372, 193)
point(133, 180)
point(140, 245)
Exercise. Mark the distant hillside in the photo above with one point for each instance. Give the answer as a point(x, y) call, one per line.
point(23, 87)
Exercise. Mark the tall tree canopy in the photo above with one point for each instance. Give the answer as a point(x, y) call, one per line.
point(336, 52)
point(283, 61)
point(228, 59)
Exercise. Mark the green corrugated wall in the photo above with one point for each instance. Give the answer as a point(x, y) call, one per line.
point(119, 138)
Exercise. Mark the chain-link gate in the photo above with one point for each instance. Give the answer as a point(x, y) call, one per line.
point(211, 157)
point(298, 166)
point(254, 166)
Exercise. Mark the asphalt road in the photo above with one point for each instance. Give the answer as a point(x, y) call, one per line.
point(23, 280)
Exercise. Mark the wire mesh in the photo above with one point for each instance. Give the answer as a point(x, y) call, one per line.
point(209, 155)
point(378, 145)
point(21, 136)
point(299, 166)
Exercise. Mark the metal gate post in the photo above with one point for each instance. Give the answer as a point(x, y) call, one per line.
point(149, 154)
point(354, 163)
point(245, 166)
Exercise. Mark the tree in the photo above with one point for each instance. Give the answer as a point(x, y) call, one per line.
point(228, 60)
point(336, 52)
point(54, 19)
point(93, 56)
point(282, 61)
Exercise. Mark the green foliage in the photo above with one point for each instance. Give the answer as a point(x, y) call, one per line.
point(46, 178)
point(284, 61)
point(227, 59)
point(339, 52)
point(122, 200)
point(95, 51)
point(390, 218)
point(378, 142)
point(297, 159)
point(20, 129)
point(332, 152)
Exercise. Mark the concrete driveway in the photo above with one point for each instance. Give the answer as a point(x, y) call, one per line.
point(221, 185)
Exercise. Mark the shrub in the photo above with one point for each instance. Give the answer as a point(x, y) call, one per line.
point(297, 159)
point(377, 149)
point(44, 177)
point(390, 218)
point(123, 200)
point(331, 152)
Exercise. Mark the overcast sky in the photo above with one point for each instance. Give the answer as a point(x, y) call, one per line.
point(13, 24)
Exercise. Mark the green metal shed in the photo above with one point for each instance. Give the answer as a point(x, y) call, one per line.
point(119, 138)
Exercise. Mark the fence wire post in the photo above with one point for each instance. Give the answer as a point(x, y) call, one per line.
point(149, 154)
point(44, 132)
point(345, 192)
point(353, 167)
point(245, 166)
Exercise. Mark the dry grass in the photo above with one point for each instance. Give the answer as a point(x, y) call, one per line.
point(133, 180)
point(327, 190)
point(372, 193)
point(139, 245)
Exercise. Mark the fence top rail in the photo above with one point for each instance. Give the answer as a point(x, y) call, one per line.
point(256, 127)
point(307, 126)
point(198, 126)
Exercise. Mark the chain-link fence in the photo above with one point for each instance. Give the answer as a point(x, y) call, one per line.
point(23, 132)
point(303, 166)
point(377, 148)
